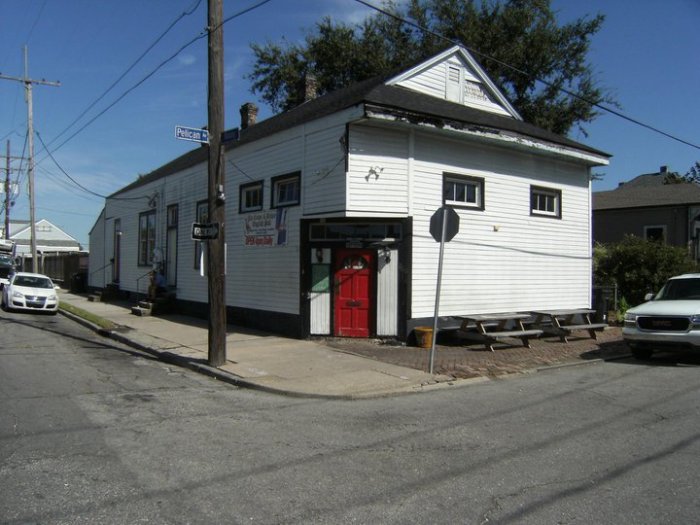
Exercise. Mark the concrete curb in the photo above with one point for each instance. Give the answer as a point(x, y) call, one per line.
point(227, 377)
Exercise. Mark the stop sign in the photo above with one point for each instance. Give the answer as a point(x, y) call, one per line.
point(451, 219)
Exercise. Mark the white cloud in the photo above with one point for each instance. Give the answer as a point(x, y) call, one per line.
point(186, 59)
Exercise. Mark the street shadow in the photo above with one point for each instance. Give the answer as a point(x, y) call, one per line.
point(618, 351)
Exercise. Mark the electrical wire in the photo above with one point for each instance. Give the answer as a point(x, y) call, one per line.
point(126, 72)
point(522, 72)
point(200, 36)
point(86, 190)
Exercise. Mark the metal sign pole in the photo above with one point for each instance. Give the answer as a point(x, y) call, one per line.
point(437, 290)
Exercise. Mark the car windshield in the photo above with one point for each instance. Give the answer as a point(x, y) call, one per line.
point(680, 289)
point(5, 259)
point(32, 281)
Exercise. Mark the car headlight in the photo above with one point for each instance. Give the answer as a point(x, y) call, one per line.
point(51, 297)
point(695, 320)
point(17, 294)
point(630, 318)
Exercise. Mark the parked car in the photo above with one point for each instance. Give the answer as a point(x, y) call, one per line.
point(30, 291)
point(669, 320)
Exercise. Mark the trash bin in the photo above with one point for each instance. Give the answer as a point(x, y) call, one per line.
point(424, 336)
point(78, 282)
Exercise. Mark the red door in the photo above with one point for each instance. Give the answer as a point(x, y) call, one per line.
point(353, 293)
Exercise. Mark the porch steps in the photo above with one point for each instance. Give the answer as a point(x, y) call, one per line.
point(95, 297)
point(143, 309)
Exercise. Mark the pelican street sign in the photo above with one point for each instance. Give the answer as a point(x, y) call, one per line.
point(193, 134)
point(205, 231)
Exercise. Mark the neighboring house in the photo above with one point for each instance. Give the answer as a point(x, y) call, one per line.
point(657, 206)
point(59, 255)
point(329, 207)
point(49, 238)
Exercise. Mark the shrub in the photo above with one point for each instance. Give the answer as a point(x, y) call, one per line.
point(639, 266)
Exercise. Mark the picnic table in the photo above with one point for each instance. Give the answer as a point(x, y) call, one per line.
point(563, 322)
point(492, 328)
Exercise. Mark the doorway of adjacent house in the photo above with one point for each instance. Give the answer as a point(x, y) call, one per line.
point(171, 246)
point(116, 250)
point(353, 305)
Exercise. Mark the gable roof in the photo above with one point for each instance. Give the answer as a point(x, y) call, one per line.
point(648, 190)
point(385, 94)
point(481, 93)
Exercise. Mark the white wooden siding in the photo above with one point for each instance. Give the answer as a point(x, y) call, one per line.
point(320, 313)
point(378, 172)
point(433, 81)
point(98, 262)
point(503, 259)
point(323, 184)
point(388, 294)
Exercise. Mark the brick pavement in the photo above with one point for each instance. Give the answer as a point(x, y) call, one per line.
point(464, 359)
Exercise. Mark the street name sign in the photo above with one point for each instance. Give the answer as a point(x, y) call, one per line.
point(193, 134)
point(205, 231)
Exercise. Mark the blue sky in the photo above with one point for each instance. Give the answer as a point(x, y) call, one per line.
point(646, 54)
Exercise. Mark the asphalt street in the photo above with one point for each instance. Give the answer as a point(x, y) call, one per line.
point(92, 432)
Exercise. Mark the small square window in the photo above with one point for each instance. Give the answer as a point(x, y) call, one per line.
point(545, 202)
point(251, 198)
point(655, 233)
point(463, 192)
point(286, 190)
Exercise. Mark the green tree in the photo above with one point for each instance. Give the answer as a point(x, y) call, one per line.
point(639, 266)
point(523, 34)
point(693, 174)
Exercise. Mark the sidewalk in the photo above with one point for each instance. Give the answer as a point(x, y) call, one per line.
point(336, 368)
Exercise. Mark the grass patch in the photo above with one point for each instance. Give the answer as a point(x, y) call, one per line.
point(95, 319)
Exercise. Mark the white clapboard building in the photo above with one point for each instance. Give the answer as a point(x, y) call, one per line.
point(328, 210)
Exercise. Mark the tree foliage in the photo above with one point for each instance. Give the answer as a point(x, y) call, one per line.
point(523, 34)
point(639, 266)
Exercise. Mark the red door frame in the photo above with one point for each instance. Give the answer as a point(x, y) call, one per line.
point(354, 297)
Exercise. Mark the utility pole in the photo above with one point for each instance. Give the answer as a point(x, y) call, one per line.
point(7, 193)
point(28, 82)
point(216, 260)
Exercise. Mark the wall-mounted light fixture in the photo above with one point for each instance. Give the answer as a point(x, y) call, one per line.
point(374, 171)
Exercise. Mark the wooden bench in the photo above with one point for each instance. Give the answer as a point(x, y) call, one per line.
point(483, 322)
point(562, 322)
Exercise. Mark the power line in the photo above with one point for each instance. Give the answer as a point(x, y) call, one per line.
point(521, 72)
point(126, 72)
point(200, 36)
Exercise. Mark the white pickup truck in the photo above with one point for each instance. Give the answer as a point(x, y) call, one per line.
point(669, 320)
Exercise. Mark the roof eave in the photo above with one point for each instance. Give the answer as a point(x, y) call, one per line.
point(484, 133)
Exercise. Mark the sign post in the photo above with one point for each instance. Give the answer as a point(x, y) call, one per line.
point(444, 225)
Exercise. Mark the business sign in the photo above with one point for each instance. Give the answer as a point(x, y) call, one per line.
point(267, 228)
point(205, 231)
point(193, 134)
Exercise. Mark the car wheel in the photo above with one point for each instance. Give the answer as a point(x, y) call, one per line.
point(642, 353)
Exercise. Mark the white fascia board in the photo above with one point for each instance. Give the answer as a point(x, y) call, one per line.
point(505, 138)
point(469, 59)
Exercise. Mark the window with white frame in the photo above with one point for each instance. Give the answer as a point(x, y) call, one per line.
point(251, 197)
point(463, 191)
point(545, 202)
point(147, 237)
point(286, 190)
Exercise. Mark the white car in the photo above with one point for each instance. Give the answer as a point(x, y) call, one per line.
point(668, 320)
point(30, 291)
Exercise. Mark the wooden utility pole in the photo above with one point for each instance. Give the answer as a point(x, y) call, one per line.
point(7, 193)
point(216, 260)
point(28, 82)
